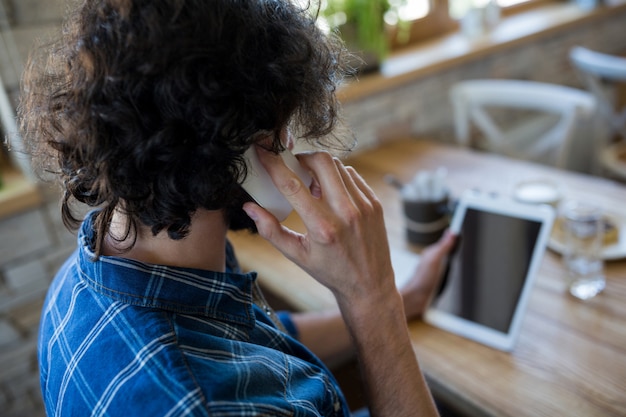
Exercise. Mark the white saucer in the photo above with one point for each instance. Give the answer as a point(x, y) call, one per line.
point(539, 191)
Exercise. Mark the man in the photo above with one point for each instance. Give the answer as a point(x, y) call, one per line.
point(144, 110)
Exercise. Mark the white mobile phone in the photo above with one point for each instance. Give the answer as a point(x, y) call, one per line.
point(261, 188)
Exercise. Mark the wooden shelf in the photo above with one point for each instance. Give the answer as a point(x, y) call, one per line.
point(18, 193)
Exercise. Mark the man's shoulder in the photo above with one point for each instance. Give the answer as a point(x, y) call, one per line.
point(103, 363)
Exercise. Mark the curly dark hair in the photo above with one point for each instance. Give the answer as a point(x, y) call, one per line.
point(148, 106)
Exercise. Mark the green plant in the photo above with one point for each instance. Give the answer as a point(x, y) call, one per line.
point(360, 23)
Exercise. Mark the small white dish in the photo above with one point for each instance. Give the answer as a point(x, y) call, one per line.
point(540, 191)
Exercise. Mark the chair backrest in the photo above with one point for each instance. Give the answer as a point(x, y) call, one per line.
point(472, 100)
point(597, 69)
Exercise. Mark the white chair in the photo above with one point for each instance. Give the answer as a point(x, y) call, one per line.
point(545, 137)
point(601, 73)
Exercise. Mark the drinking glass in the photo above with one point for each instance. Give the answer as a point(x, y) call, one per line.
point(583, 227)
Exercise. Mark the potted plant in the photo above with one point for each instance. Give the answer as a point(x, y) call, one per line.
point(361, 25)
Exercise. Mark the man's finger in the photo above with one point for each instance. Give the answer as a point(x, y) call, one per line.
point(282, 238)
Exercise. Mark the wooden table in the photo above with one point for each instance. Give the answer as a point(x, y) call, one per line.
point(570, 358)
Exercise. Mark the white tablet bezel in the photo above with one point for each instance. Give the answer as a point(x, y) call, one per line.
point(545, 216)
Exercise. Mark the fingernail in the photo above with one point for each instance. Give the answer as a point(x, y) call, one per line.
point(250, 211)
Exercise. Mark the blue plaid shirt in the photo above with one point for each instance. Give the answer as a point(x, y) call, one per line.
point(124, 338)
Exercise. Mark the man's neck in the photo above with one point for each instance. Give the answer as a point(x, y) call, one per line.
point(203, 248)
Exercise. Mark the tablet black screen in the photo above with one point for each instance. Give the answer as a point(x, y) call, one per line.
point(488, 268)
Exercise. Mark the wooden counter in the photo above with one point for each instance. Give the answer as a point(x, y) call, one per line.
point(17, 193)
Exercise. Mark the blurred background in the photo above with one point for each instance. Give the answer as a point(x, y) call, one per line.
point(412, 52)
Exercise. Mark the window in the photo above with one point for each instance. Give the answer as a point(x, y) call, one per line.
point(419, 20)
point(411, 21)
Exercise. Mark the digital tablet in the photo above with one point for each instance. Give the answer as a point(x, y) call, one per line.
point(490, 272)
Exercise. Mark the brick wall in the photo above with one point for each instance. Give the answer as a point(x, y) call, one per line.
point(34, 244)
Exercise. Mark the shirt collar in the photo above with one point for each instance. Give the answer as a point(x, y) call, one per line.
point(222, 295)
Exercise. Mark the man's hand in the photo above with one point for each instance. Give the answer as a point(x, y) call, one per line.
point(417, 292)
point(345, 245)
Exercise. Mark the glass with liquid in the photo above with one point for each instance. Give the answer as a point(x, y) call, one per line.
point(584, 228)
